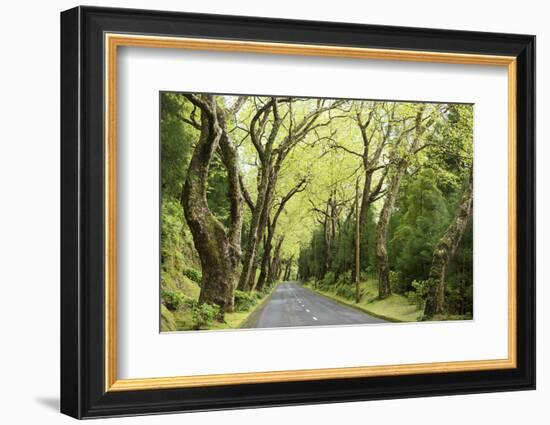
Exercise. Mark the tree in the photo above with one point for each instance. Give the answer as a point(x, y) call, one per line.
point(271, 227)
point(176, 143)
point(375, 122)
point(272, 151)
point(401, 160)
point(357, 243)
point(218, 248)
point(422, 218)
point(444, 252)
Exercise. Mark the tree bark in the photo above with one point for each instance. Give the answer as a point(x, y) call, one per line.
point(444, 252)
point(219, 249)
point(384, 287)
point(274, 269)
point(266, 259)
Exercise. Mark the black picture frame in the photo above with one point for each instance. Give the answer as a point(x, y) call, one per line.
point(83, 392)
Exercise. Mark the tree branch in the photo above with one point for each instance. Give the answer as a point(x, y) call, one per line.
point(246, 194)
point(241, 100)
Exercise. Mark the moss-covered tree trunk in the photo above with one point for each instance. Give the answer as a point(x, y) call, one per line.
point(384, 287)
point(371, 163)
point(357, 268)
point(444, 252)
point(266, 259)
point(218, 248)
point(402, 162)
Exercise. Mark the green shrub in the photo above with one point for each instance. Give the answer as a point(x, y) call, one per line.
point(418, 296)
point(173, 300)
point(244, 301)
point(258, 295)
point(346, 291)
point(329, 278)
point(327, 282)
point(194, 274)
point(365, 275)
point(344, 278)
point(203, 315)
point(395, 282)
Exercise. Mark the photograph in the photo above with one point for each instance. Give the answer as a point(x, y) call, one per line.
point(289, 211)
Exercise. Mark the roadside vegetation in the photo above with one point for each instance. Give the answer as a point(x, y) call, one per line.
point(394, 308)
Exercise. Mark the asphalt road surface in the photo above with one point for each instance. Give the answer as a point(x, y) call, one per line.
point(290, 304)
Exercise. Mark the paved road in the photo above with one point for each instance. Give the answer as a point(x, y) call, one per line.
point(290, 304)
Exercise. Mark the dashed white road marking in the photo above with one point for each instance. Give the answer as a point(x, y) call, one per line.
point(314, 318)
point(307, 310)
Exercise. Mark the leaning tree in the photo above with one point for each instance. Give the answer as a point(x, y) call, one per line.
point(444, 252)
point(401, 157)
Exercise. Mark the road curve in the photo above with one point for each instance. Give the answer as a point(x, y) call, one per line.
point(291, 304)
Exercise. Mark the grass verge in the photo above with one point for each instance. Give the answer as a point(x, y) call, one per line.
point(395, 308)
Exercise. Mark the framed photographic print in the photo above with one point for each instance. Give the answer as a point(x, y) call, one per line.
point(261, 212)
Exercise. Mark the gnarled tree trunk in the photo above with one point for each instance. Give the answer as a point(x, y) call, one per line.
point(444, 252)
point(219, 249)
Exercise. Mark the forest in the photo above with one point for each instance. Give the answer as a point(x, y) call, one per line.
point(367, 203)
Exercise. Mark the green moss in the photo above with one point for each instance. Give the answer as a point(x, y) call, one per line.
point(178, 252)
point(184, 320)
point(167, 320)
point(180, 283)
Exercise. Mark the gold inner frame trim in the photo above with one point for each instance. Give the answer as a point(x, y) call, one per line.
point(113, 41)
